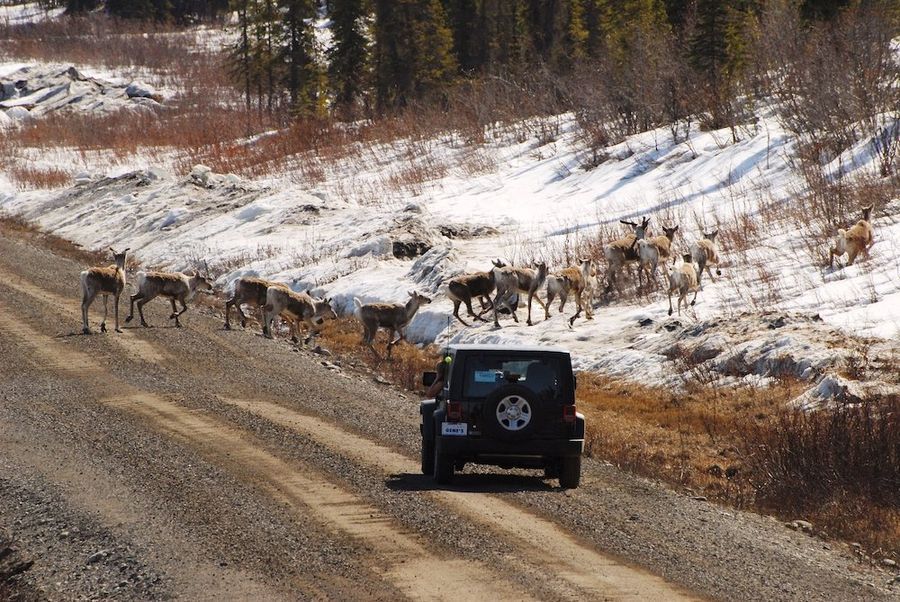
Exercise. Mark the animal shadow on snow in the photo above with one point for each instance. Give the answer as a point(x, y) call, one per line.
point(472, 483)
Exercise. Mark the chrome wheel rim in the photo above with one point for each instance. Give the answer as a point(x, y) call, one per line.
point(513, 413)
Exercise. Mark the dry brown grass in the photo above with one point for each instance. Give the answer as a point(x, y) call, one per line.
point(702, 439)
point(128, 133)
point(31, 177)
point(408, 362)
point(102, 41)
point(740, 446)
point(679, 437)
point(17, 227)
point(815, 461)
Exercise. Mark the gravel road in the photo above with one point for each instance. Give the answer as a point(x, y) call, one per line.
point(199, 463)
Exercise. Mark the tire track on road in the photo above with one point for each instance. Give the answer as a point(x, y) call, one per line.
point(399, 557)
point(535, 537)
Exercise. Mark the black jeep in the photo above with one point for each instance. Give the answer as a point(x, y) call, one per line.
point(507, 406)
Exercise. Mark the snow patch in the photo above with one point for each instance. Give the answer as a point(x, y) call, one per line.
point(834, 391)
point(38, 89)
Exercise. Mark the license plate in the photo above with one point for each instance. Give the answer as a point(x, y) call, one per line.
point(454, 429)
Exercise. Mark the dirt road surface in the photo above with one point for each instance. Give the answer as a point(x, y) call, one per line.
point(202, 464)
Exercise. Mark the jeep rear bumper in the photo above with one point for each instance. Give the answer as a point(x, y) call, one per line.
point(475, 448)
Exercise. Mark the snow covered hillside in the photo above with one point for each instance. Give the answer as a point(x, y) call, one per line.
point(363, 229)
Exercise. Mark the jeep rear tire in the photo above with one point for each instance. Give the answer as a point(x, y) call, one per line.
point(570, 472)
point(443, 468)
point(551, 470)
point(427, 456)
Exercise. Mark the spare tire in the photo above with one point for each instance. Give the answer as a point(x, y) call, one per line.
point(510, 412)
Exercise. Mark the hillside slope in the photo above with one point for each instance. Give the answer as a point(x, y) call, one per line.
point(412, 214)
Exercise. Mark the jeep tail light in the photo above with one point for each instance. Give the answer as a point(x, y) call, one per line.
point(569, 413)
point(454, 411)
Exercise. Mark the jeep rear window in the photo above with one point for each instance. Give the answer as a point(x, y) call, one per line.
point(484, 374)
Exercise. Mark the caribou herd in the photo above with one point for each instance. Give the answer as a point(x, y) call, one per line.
point(498, 290)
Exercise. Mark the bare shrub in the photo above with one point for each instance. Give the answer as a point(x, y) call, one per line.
point(832, 80)
point(29, 176)
point(410, 178)
point(806, 461)
point(96, 39)
point(475, 161)
point(887, 144)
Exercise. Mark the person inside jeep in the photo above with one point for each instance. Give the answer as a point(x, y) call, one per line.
point(441, 369)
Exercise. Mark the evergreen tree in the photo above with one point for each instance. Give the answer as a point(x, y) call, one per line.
point(264, 27)
point(679, 11)
point(823, 10)
point(435, 65)
point(719, 51)
point(594, 12)
point(558, 30)
point(185, 12)
point(709, 50)
point(240, 54)
point(297, 55)
point(521, 50)
point(413, 50)
point(348, 58)
point(132, 9)
point(81, 6)
point(463, 19)
point(577, 33)
point(623, 21)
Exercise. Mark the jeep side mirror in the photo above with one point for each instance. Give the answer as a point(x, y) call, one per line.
point(428, 378)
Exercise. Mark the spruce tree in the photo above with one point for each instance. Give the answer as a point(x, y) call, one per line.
point(158, 10)
point(718, 52)
point(823, 10)
point(296, 55)
point(348, 57)
point(463, 17)
point(577, 33)
point(265, 30)
point(185, 12)
point(624, 21)
point(521, 48)
point(413, 50)
point(240, 54)
point(679, 11)
point(514, 44)
point(131, 9)
point(81, 6)
point(435, 64)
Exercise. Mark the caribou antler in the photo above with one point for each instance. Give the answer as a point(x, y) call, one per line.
point(206, 269)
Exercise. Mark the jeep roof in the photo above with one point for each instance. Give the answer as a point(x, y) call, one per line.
point(506, 347)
